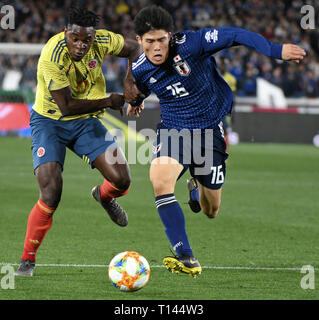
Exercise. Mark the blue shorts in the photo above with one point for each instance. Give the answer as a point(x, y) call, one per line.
point(202, 151)
point(87, 138)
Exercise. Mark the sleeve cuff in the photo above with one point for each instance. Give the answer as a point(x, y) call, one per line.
point(137, 103)
point(276, 50)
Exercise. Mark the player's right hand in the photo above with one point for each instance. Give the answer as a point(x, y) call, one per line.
point(136, 110)
point(117, 102)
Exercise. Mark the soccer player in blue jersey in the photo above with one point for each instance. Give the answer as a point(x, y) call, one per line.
point(193, 98)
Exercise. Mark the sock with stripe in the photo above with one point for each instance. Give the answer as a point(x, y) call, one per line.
point(39, 223)
point(173, 219)
point(108, 191)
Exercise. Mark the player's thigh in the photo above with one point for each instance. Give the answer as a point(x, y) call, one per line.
point(97, 147)
point(47, 143)
point(164, 172)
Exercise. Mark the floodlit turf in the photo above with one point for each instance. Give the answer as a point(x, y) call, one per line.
point(266, 231)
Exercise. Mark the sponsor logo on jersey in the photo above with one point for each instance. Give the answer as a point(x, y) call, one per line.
point(41, 152)
point(211, 36)
point(92, 63)
point(181, 66)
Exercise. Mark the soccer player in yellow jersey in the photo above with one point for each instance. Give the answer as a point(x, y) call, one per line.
point(70, 98)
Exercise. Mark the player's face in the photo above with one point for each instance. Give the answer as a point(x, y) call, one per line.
point(155, 45)
point(79, 40)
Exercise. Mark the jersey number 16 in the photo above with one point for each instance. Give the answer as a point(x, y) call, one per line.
point(177, 90)
point(218, 175)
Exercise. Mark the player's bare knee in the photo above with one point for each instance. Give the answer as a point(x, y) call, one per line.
point(122, 183)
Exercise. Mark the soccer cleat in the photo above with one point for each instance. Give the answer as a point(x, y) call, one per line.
point(25, 269)
point(183, 264)
point(193, 204)
point(114, 210)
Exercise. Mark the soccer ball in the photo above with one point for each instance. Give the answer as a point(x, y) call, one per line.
point(129, 271)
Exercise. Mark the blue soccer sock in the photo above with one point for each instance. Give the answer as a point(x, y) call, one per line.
point(173, 219)
point(195, 194)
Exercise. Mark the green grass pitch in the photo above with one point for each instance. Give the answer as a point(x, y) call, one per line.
point(267, 229)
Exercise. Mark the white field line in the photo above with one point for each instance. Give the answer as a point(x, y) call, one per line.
point(160, 266)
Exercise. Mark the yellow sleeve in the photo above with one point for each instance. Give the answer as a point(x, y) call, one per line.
point(109, 42)
point(54, 75)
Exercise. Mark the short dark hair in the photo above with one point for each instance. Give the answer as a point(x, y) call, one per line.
point(152, 18)
point(82, 17)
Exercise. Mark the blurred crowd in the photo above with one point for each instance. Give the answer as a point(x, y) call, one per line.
point(278, 21)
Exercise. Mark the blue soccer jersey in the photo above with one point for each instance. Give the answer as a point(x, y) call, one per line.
point(191, 91)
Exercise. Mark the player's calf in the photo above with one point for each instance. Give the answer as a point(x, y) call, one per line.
point(49, 176)
point(211, 211)
point(210, 200)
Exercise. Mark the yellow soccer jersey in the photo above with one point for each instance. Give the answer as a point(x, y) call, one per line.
point(56, 70)
point(231, 80)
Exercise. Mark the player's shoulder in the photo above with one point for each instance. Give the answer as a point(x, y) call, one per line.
point(106, 41)
point(139, 63)
point(183, 37)
point(185, 42)
point(55, 48)
point(102, 36)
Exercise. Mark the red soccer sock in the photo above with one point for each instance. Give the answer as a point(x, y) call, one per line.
point(108, 191)
point(39, 223)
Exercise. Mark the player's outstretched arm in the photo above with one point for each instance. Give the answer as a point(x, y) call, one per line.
point(292, 52)
point(70, 106)
point(214, 40)
point(131, 50)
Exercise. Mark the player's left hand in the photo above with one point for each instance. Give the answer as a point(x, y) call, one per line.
point(136, 110)
point(131, 92)
point(292, 52)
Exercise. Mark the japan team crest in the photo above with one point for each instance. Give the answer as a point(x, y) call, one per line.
point(181, 66)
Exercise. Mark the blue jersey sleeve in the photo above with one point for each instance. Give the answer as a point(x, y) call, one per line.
point(212, 40)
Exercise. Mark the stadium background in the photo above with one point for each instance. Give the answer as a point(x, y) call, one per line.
point(279, 21)
point(268, 224)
